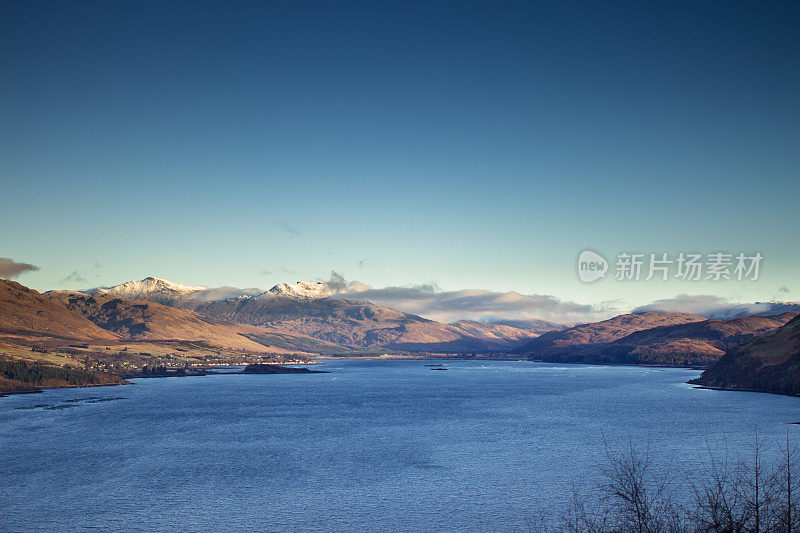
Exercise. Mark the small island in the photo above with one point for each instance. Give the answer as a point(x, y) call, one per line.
point(262, 368)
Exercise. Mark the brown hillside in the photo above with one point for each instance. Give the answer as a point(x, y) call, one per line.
point(141, 320)
point(576, 342)
point(769, 363)
point(695, 343)
point(25, 311)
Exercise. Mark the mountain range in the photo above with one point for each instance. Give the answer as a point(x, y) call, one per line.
point(170, 293)
point(304, 319)
point(56, 319)
point(307, 308)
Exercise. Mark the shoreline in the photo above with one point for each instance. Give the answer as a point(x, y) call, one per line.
point(739, 389)
point(320, 360)
point(199, 372)
point(43, 389)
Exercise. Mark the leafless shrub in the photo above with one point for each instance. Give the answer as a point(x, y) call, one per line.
point(719, 503)
point(786, 512)
point(747, 495)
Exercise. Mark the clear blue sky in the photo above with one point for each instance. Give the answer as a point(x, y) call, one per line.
point(470, 144)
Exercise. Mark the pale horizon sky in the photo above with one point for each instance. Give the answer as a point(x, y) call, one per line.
point(470, 145)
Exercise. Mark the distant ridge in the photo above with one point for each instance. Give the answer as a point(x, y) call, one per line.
point(534, 325)
point(650, 338)
point(361, 325)
point(695, 343)
point(573, 343)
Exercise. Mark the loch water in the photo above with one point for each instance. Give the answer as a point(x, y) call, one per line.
point(372, 445)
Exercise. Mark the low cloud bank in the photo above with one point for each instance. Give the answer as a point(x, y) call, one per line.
point(429, 301)
point(710, 306)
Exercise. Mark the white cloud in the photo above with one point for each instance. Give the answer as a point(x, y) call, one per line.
point(474, 304)
point(711, 306)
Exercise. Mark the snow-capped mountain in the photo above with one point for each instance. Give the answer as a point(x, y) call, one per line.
point(307, 308)
point(152, 289)
point(302, 289)
point(179, 295)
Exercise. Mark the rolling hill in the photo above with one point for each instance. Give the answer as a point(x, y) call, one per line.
point(533, 325)
point(142, 320)
point(694, 343)
point(25, 311)
point(768, 363)
point(583, 343)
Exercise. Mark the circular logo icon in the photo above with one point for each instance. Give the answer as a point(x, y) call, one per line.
point(591, 266)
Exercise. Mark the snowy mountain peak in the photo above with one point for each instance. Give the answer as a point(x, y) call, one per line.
point(149, 286)
point(302, 289)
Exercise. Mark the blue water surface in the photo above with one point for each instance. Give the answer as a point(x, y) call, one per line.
point(374, 445)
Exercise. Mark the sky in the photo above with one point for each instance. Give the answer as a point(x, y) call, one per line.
point(447, 145)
